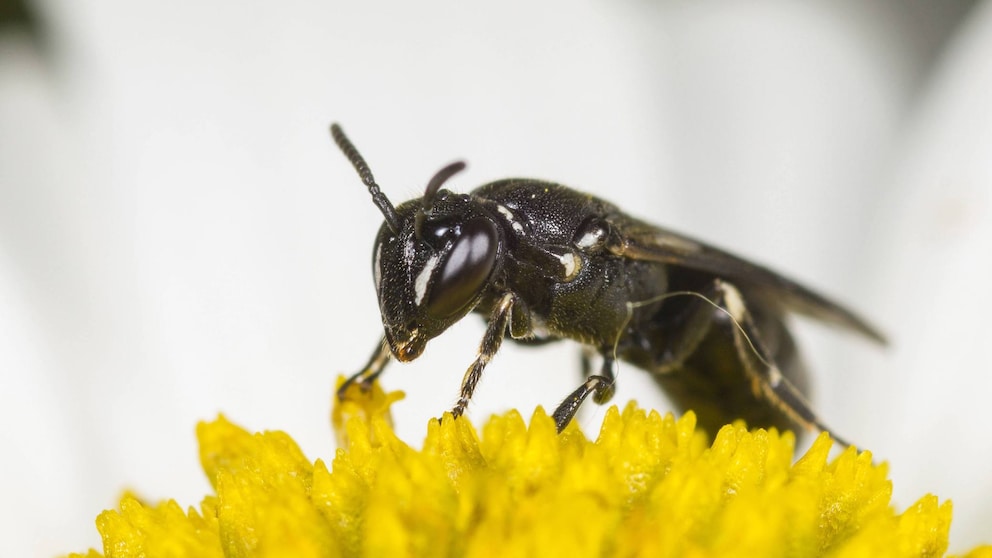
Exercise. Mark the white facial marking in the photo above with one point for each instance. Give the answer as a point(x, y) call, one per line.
point(376, 269)
point(424, 277)
point(409, 251)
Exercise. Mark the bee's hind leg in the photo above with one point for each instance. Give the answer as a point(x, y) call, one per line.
point(720, 362)
point(761, 366)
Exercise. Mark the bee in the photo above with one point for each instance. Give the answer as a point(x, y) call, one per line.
point(543, 262)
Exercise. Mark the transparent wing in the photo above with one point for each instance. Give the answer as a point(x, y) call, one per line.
point(641, 241)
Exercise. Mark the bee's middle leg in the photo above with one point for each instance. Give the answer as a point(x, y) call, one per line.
point(491, 341)
point(601, 386)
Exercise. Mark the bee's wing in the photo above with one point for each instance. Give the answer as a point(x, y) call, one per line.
point(641, 241)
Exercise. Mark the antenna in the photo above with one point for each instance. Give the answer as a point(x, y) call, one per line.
point(378, 198)
point(439, 179)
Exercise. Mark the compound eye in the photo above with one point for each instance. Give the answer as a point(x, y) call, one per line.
point(465, 270)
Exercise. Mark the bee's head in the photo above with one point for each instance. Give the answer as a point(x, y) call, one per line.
point(433, 258)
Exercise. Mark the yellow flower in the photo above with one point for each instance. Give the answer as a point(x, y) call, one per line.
point(649, 485)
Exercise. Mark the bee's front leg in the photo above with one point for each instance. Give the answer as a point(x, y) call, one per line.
point(376, 364)
point(491, 341)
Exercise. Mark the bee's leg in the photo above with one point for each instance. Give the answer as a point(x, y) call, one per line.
point(766, 376)
point(608, 371)
point(758, 363)
point(602, 387)
point(585, 360)
point(376, 364)
point(491, 341)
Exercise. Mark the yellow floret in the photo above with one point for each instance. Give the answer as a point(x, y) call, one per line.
point(649, 485)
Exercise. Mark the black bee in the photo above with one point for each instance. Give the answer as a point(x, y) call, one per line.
point(544, 262)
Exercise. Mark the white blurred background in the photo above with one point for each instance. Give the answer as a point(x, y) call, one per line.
point(179, 236)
